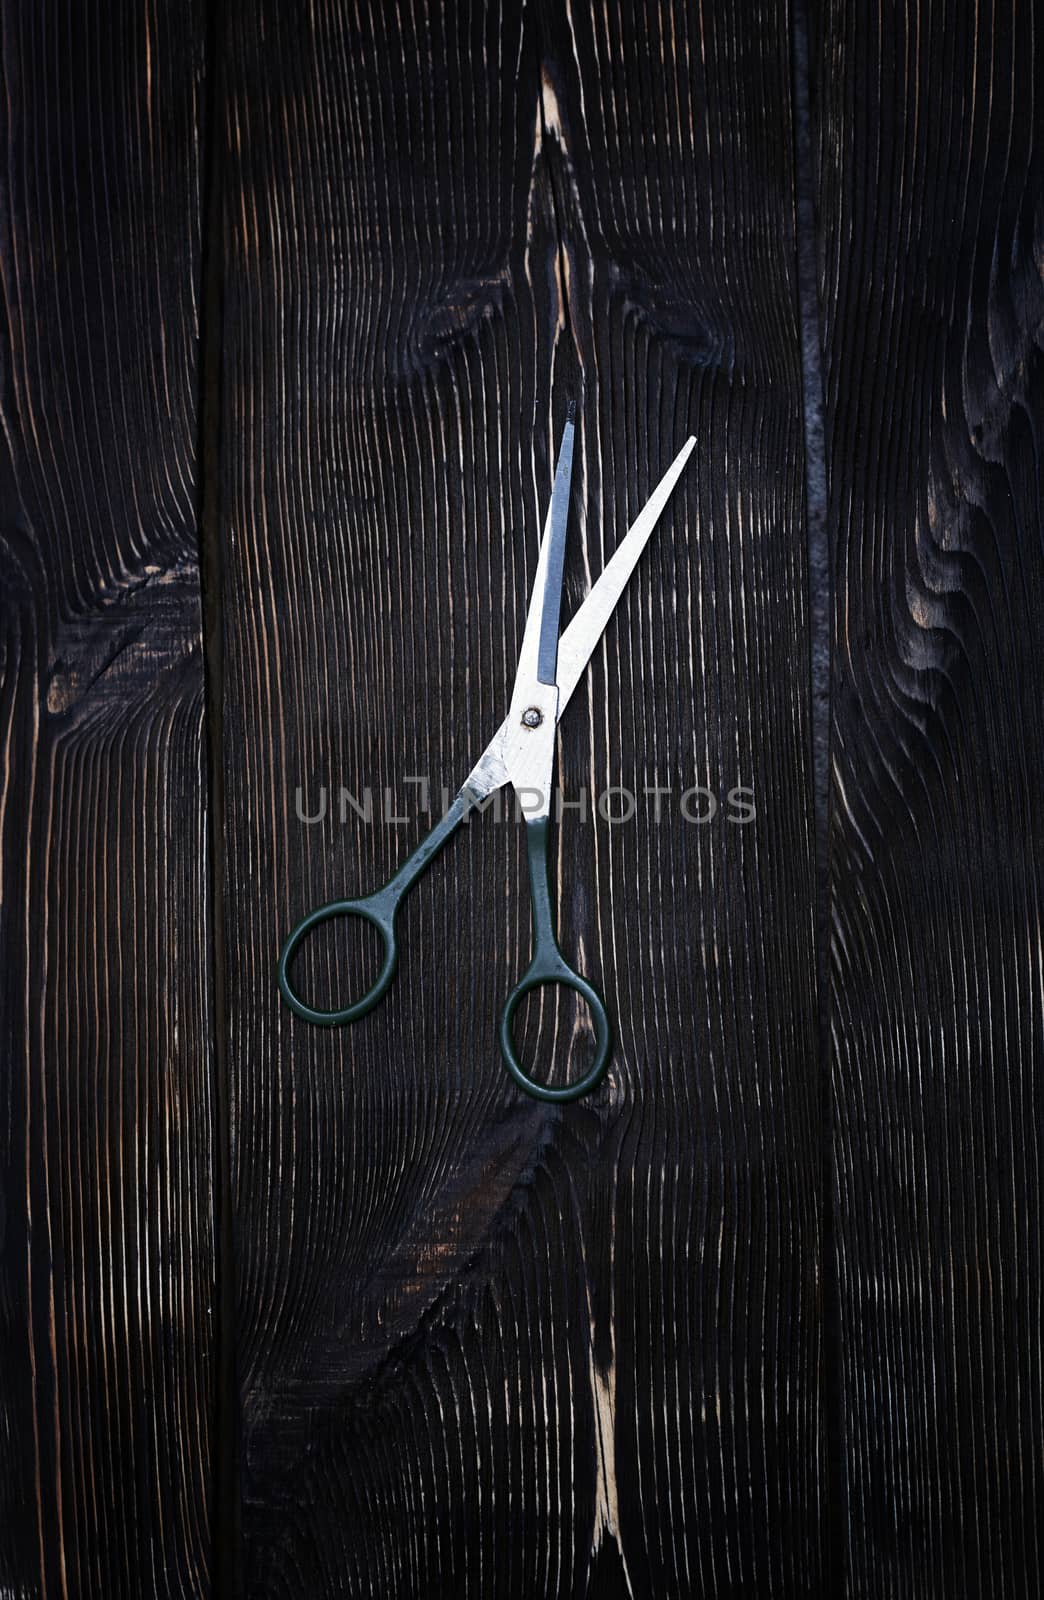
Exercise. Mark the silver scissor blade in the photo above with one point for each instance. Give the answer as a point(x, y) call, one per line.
point(499, 762)
point(558, 518)
point(586, 628)
point(546, 597)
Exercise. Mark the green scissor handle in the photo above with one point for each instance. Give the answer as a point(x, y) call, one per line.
point(547, 966)
point(550, 966)
point(379, 909)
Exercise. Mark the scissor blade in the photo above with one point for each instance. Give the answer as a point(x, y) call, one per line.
point(558, 518)
point(499, 762)
point(586, 628)
point(542, 619)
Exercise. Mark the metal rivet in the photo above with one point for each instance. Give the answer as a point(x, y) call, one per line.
point(532, 717)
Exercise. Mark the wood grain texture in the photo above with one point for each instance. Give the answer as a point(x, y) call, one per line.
point(929, 199)
point(488, 1347)
point(106, 1263)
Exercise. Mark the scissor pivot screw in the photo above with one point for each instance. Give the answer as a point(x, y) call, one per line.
point(532, 717)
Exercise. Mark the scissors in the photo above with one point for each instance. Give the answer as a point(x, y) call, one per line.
point(521, 753)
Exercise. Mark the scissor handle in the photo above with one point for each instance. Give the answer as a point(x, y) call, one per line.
point(380, 909)
point(377, 909)
point(550, 966)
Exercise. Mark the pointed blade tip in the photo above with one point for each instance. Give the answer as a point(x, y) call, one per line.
point(674, 471)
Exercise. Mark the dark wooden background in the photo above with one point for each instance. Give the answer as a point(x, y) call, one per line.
point(293, 300)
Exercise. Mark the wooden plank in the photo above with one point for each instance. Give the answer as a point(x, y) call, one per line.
point(489, 1347)
point(929, 198)
point(106, 1267)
